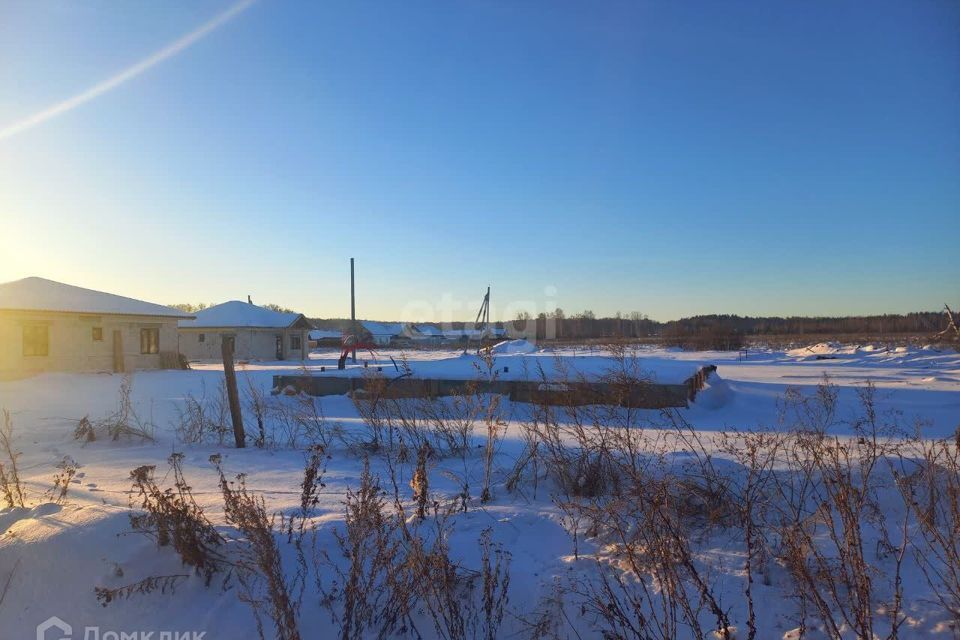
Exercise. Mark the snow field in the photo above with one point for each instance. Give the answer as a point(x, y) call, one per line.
point(55, 554)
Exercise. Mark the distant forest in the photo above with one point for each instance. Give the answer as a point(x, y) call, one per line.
point(730, 327)
point(586, 325)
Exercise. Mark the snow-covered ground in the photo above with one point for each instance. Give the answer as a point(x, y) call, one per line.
point(52, 556)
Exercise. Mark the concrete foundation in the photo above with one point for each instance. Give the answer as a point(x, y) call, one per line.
point(643, 395)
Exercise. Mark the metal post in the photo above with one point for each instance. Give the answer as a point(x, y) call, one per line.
point(353, 313)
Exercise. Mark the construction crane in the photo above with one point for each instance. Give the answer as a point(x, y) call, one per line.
point(484, 313)
point(481, 324)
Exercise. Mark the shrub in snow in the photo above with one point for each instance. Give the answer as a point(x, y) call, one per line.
point(173, 518)
point(66, 469)
point(125, 421)
point(10, 485)
point(204, 418)
point(259, 564)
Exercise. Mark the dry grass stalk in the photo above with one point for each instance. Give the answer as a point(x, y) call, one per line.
point(124, 421)
point(173, 517)
point(373, 594)
point(932, 494)
point(259, 565)
point(420, 482)
point(66, 470)
point(10, 485)
point(826, 509)
point(203, 419)
point(255, 402)
point(163, 584)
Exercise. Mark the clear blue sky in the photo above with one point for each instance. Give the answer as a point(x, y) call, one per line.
point(672, 158)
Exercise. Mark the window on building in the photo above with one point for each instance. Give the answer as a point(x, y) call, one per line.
point(36, 340)
point(295, 343)
point(202, 337)
point(98, 334)
point(149, 341)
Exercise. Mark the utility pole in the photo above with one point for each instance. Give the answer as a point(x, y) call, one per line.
point(353, 313)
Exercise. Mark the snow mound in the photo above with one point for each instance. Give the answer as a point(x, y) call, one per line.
point(513, 347)
point(13, 515)
point(715, 394)
point(823, 348)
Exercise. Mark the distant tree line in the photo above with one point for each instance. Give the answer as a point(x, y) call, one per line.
point(586, 325)
point(636, 325)
point(189, 307)
point(919, 322)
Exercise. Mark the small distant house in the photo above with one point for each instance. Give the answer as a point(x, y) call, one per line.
point(259, 333)
point(383, 333)
point(51, 326)
point(425, 334)
point(428, 331)
point(324, 338)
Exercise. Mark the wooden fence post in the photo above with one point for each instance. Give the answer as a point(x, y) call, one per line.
point(226, 349)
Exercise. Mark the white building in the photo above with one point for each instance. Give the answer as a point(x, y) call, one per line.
point(259, 333)
point(428, 331)
point(51, 326)
point(383, 333)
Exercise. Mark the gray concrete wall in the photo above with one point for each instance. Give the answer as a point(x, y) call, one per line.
point(643, 395)
point(250, 344)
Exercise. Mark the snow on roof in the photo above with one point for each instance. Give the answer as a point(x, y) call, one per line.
point(383, 328)
point(428, 330)
point(40, 294)
point(241, 314)
point(325, 334)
